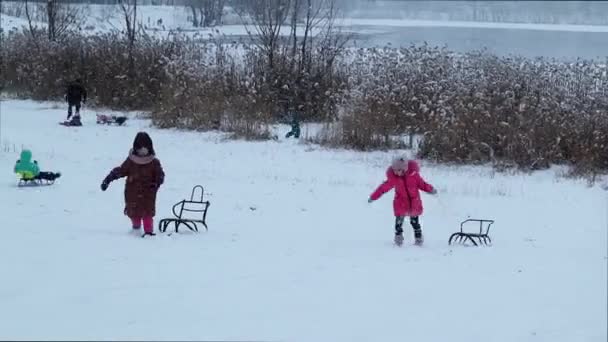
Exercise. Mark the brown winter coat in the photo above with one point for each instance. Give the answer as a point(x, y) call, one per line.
point(144, 177)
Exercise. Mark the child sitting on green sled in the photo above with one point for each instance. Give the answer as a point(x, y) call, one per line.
point(29, 170)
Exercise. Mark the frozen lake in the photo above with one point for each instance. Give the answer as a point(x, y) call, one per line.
point(530, 40)
point(501, 41)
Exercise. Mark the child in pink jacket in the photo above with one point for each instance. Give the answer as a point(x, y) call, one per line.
point(403, 175)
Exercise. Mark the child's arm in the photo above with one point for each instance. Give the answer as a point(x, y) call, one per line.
point(160, 174)
point(382, 189)
point(36, 168)
point(424, 186)
point(116, 173)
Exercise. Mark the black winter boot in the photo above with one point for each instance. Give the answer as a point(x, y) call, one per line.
point(418, 238)
point(75, 121)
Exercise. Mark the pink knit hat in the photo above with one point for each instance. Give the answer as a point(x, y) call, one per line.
point(399, 164)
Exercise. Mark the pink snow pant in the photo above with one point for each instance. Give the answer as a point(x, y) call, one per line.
point(148, 223)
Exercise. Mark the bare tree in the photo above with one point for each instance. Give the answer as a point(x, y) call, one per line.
point(128, 9)
point(298, 67)
point(213, 12)
point(62, 16)
point(206, 13)
point(193, 5)
point(294, 31)
point(306, 17)
point(320, 14)
point(51, 12)
point(333, 39)
point(267, 17)
point(32, 27)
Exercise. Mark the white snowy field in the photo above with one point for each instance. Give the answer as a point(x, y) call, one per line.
point(294, 251)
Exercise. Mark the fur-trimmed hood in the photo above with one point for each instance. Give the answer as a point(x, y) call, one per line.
point(141, 160)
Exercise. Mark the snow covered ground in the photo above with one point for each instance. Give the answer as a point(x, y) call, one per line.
point(294, 251)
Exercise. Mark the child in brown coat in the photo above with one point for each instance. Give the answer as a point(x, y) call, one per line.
point(144, 176)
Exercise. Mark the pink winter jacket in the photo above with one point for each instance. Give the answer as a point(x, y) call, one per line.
point(407, 201)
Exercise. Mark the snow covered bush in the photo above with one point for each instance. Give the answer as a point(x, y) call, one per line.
point(477, 107)
point(527, 113)
point(203, 91)
point(468, 108)
point(41, 69)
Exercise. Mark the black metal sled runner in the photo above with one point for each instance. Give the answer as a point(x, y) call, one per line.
point(462, 237)
point(180, 208)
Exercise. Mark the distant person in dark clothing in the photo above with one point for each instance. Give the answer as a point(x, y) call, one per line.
point(295, 127)
point(74, 95)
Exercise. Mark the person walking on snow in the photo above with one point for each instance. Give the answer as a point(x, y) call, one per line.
point(404, 176)
point(74, 95)
point(144, 176)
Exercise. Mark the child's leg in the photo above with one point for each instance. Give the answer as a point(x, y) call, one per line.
point(399, 230)
point(415, 222)
point(148, 224)
point(50, 176)
point(136, 222)
point(69, 110)
point(399, 225)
